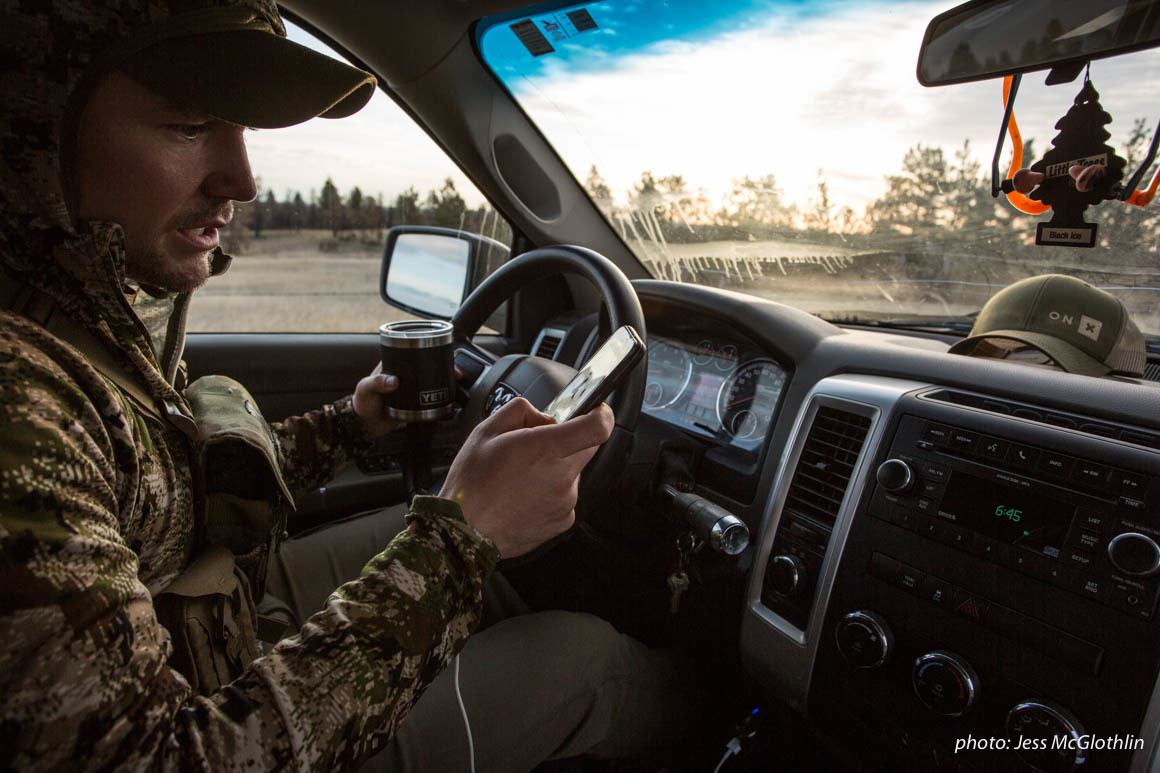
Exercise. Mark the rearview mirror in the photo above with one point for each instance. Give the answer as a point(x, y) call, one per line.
point(991, 38)
point(428, 271)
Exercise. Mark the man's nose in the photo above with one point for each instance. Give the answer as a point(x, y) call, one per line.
point(230, 176)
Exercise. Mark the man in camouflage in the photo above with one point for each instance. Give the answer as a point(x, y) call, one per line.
point(117, 172)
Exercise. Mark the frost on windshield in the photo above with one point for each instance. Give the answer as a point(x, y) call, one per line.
point(934, 243)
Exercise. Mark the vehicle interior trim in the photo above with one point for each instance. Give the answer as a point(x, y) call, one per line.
point(763, 631)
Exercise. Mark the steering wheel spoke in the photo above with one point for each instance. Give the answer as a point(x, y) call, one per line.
point(539, 379)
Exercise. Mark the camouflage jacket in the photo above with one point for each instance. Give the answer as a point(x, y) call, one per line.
point(96, 507)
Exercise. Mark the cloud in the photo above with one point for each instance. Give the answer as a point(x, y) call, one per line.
point(795, 94)
point(784, 93)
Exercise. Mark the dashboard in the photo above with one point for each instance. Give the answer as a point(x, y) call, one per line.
point(723, 389)
point(943, 548)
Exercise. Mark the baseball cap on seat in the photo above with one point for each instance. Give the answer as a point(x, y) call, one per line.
point(234, 62)
point(1082, 328)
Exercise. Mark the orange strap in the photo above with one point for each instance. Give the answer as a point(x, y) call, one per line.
point(1017, 199)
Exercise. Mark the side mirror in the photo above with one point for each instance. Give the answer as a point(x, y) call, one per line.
point(428, 271)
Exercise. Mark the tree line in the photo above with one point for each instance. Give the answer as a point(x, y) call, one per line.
point(358, 214)
point(937, 203)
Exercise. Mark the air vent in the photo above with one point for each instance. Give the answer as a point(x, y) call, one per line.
point(548, 347)
point(1152, 370)
point(826, 464)
point(547, 343)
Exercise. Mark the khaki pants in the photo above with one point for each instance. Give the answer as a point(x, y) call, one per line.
point(536, 687)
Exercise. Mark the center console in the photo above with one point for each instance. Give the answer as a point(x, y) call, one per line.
point(982, 594)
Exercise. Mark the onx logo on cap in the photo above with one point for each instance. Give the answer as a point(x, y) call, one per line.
point(1088, 327)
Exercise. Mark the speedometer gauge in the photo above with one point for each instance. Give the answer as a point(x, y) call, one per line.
point(669, 370)
point(748, 397)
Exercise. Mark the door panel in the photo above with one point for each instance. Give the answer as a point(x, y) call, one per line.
point(289, 374)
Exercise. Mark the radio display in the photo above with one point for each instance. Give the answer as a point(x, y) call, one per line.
point(1007, 513)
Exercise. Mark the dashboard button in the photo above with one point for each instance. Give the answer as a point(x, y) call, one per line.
point(971, 606)
point(925, 506)
point(1025, 561)
point(983, 546)
point(1056, 464)
point(963, 441)
point(957, 537)
point(993, 448)
point(1129, 483)
point(883, 503)
point(1093, 520)
point(905, 518)
point(884, 567)
point(931, 489)
point(1094, 587)
point(1088, 540)
point(1060, 575)
point(1080, 559)
point(937, 591)
point(909, 578)
point(1089, 473)
point(1131, 503)
point(937, 434)
point(1022, 456)
point(1027, 413)
point(935, 472)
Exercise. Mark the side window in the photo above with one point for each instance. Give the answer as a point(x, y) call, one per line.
point(308, 250)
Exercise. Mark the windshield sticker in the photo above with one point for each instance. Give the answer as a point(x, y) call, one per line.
point(533, 40)
point(536, 35)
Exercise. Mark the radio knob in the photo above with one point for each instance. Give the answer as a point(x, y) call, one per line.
point(1039, 725)
point(786, 575)
point(945, 683)
point(895, 476)
point(864, 639)
point(1135, 554)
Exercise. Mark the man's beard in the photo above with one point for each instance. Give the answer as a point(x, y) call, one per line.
point(151, 269)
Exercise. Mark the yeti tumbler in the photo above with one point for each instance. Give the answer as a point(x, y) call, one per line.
point(419, 353)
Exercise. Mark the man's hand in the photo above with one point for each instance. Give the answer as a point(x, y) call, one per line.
point(368, 402)
point(517, 475)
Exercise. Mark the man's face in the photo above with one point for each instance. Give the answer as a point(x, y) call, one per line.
point(168, 175)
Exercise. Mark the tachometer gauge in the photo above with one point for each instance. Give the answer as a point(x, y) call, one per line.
point(748, 398)
point(670, 369)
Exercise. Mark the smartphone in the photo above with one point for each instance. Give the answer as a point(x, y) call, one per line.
point(600, 375)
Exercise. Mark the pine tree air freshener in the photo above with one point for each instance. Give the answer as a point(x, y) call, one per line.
point(1080, 170)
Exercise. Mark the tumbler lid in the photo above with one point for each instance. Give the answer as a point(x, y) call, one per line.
point(416, 333)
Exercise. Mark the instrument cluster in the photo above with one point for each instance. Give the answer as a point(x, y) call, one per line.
point(717, 389)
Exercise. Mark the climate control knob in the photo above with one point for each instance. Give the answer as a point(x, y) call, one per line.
point(786, 575)
point(864, 639)
point(1135, 554)
point(1041, 726)
point(945, 683)
point(895, 476)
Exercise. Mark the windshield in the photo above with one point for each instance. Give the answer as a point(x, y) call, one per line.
point(785, 148)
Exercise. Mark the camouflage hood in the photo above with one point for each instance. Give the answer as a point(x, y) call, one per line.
point(54, 53)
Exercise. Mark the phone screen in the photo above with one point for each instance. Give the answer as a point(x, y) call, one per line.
point(598, 377)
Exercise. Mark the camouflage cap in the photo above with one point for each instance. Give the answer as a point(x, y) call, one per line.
point(1082, 328)
point(234, 62)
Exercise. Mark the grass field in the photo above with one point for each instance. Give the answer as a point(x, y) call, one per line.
point(289, 282)
point(306, 281)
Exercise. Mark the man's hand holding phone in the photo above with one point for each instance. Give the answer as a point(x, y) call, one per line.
point(517, 476)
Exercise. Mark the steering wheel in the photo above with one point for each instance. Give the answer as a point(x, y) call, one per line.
point(539, 379)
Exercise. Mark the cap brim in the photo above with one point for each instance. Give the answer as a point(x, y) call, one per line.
point(252, 78)
point(1067, 356)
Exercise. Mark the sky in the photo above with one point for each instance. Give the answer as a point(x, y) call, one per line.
point(715, 91)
